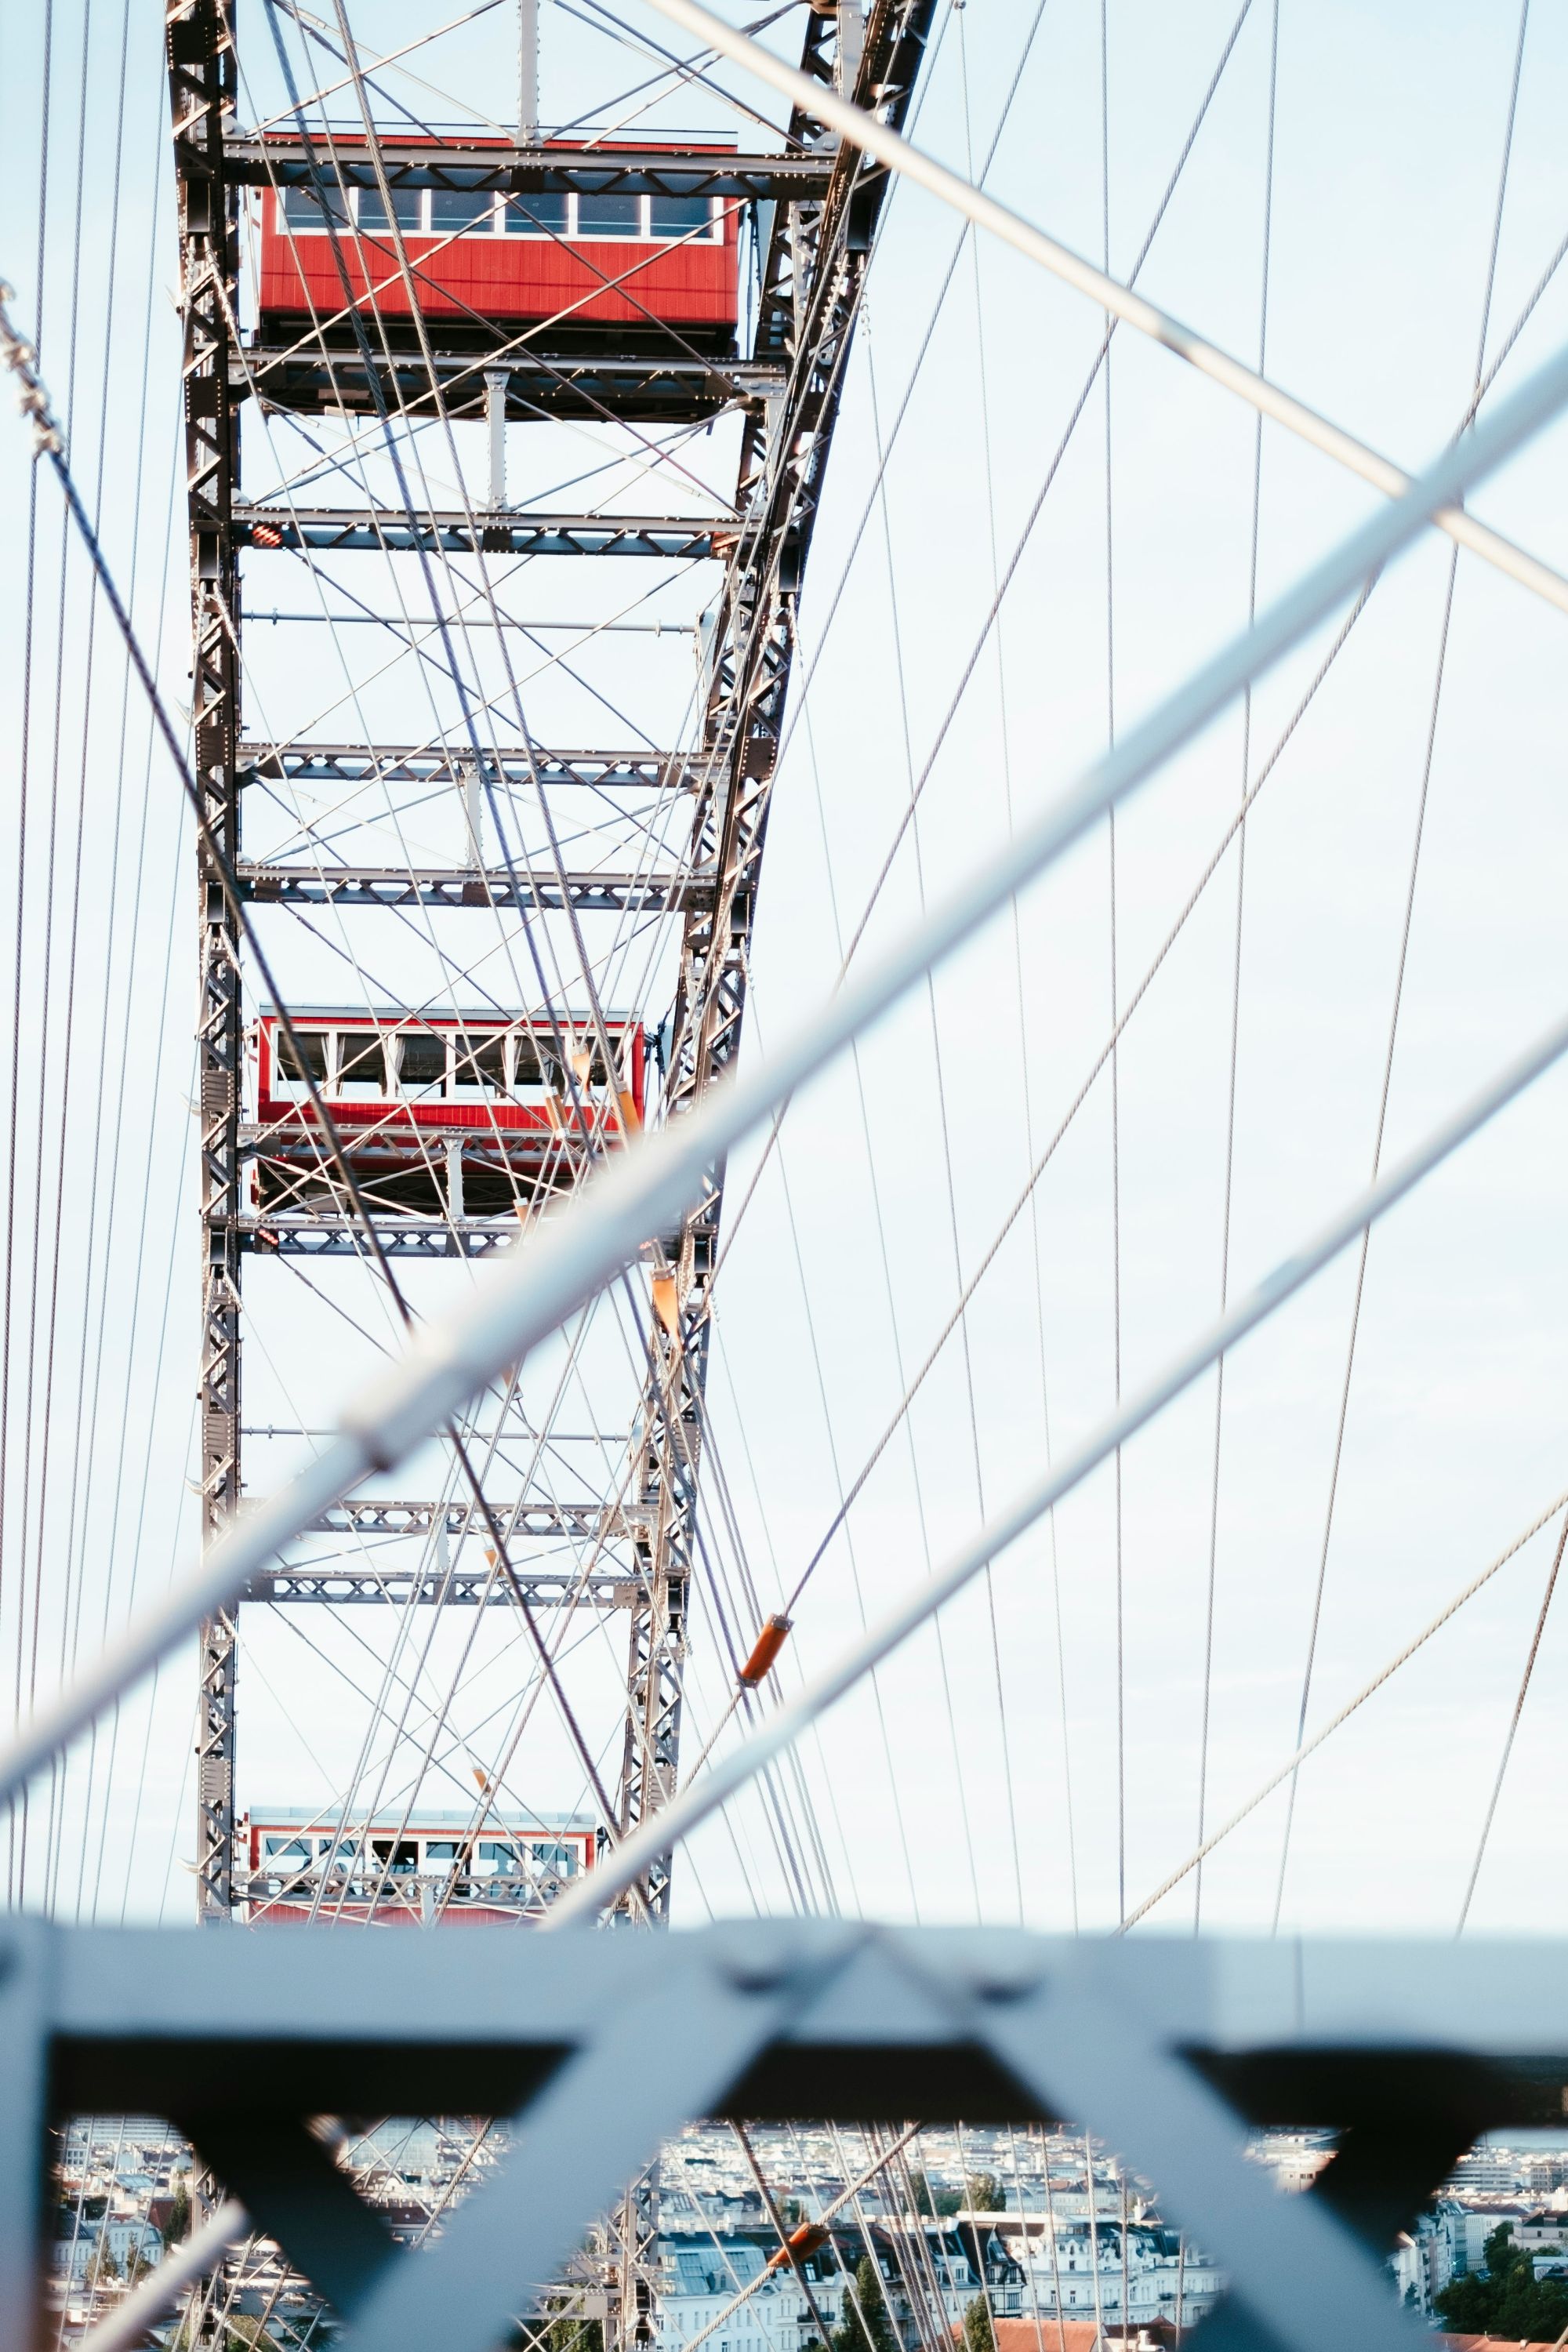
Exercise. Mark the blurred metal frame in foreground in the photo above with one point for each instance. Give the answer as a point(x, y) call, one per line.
point(597, 2048)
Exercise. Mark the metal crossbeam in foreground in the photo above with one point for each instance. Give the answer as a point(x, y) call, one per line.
point(1171, 2052)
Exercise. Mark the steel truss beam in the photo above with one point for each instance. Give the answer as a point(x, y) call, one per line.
point(332, 1234)
point(524, 886)
point(598, 2048)
point(280, 159)
point(336, 530)
point(431, 764)
point(202, 89)
point(545, 376)
point(376, 1515)
point(344, 1586)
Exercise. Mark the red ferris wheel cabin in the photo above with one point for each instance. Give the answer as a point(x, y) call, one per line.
point(447, 1113)
point(573, 260)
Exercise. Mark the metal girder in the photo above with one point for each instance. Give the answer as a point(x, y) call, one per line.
point(522, 886)
point(342, 1586)
point(349, 764)
point(279, 158)
point(597, 2047)
point(335, 529)
point(381, 1515)
point(550, 380)
point(338, 1235)
point(202, 89)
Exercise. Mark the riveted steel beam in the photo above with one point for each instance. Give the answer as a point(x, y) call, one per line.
point(326, 530)
point(521, 886)
point(279, 158)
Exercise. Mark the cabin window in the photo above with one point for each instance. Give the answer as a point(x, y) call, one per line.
point(478, 1065)
point(529, 1069)
point(314, 208)
point(407, 208)
point(675, 216)
point(312, 1054)
point(422, 1062)
point(540, 213)
point(285, 1849)
point(606, 215)
point(361, 1063)
point(440, 1849)
point(403, 1855)
point(493, 1857)
point(458, 208)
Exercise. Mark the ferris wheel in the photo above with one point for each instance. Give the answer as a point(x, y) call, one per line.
point(859, 797)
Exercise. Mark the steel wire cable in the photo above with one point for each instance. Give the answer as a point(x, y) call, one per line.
point(62, 1088)
point(1236, 967)
point(1512, 1732)
point(1309, 1746)
point(1009, 574)
point(23, 810)
point(1315, 1620)
point(1136, 996)
point(1115, 1083)
point(54, 444)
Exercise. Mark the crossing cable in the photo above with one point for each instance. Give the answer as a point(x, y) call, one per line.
point(1024, 1074)
point(1115, 1050)
point(1001, 587)
point(322, 185)
point(1368, 1690)
point(1530, 1655)
point(405, 270)
point(971, 1842)
point(483, 768)
point(56, 1782)
point(1231, 832)
point(49, 442)
point(604, 1231)
point(14, 1889)
point(1315, 1622)
point(1236, 961)
point(803, 2238)
point(696, 1801)
point(886, 146)
point(1015, 1210)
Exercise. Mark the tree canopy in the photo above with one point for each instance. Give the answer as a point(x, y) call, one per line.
point(868, 2323)
point(1509, 2299)
point(979, 2335)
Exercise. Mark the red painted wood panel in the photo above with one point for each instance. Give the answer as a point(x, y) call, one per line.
point(589, 281)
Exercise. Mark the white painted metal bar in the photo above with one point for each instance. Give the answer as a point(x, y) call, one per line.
point(876, 140)
point(646, 1189)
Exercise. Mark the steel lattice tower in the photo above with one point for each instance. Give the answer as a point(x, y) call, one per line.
point(815, 208)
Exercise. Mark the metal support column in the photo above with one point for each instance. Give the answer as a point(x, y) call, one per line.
point(203, 79)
